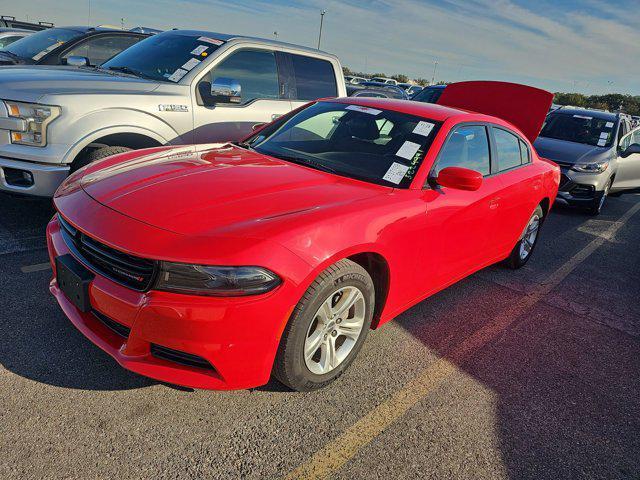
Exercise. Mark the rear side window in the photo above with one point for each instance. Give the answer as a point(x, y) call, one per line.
point(524, 153)
point(256, 72)
point(314, 78)
point(507, 148)
point(466, 147)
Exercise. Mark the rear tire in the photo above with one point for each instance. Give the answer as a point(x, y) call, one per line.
point(327, 328)
point(97, 154)
point(521, 253)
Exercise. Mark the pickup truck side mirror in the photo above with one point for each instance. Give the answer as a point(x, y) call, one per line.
point(631, 149)
point(77, 61)
point(225, 90)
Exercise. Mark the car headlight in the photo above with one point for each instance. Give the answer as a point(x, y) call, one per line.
point(215, 281)
point(31, 129)
point(597, 167)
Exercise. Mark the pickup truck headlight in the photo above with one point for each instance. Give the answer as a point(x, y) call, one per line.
point(31, 121)
point(597, 167)
point(215, 281)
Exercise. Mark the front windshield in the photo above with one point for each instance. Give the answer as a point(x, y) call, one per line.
point(579, 128)
point(428, 95)
point(37, 45)
point(165, 57)
point(370, 144)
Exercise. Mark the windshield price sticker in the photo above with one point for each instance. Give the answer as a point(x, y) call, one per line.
point(215, 41)
point(408, 150)
point(604, 135)
point(194, 62)
point(396, 173)
point(177, 75)
point(602, 142)
point(609, 125)
point(423, 128)
point(199, 50)
point(584, 117)
point(358, 108)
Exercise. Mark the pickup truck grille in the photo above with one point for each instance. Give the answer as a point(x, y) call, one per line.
point(133, 272)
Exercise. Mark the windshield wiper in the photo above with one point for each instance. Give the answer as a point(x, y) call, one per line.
point(307, 162)
point(130, 71)
point(246, 145)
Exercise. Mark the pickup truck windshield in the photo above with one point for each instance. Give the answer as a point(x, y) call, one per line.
point(579, 128)
point(370, 144)
point(37, 45)
point(165, 57)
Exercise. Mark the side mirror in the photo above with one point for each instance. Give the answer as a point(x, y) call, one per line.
point(77, 61)
point(258, 126)
point(631, 149)
point(226, 90)
point(459, 178)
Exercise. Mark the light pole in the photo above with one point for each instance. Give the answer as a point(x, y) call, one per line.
point(275, 34)
point(321, 21)
point(435, 66)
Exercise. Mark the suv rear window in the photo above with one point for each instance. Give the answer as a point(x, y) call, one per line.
point(314, 78)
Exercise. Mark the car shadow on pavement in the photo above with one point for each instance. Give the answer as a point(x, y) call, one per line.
point(561, 380)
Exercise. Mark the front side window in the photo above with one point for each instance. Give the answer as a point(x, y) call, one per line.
point(466, 147)
point(507, 148)
point(315, 78)
point(38, 44)
point(255, 70)
point(100, 49)
point(374, 145)
point(579, 128)
point(6, 41)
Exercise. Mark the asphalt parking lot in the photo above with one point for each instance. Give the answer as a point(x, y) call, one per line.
point(526, 374)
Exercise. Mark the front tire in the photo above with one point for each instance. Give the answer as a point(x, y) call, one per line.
point(327, 328)
point(524, 248)
point(97, 154)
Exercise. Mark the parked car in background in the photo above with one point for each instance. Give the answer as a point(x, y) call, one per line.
point(388, 81)
point(374, 92)
point(397, 91)
point(214, 266)
point(172, 88)
point(7, 21)
point(413, 89)
point(69, 45)
point(598, 152)
point(10, 35)
point(354, 80)
point(429, 94)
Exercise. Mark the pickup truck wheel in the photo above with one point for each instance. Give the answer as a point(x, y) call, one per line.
point(529, 239)
point(96, 154)
point(327, 328)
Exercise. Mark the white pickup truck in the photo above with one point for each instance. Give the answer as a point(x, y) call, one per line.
point(175, 87)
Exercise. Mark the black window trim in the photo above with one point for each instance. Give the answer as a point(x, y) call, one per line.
point(291, 81)
point(494, 150)
point(431, 177)
point(280, 69)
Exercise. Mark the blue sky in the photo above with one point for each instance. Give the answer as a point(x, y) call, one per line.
point(589, 46)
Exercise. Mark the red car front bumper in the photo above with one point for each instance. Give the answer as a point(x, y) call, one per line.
point(159, 334)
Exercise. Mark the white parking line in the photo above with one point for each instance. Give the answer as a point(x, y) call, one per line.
point(38, 267)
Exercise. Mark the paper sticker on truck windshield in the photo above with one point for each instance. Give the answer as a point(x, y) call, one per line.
point(199, 49)
point(423, 128)
point(177, 75)
point(191, 64)
point(408, 150)
point(396, 173)
point(215, 41)
point(609, 125)
point(602, 142)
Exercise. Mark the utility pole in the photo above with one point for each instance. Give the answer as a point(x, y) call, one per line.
point(122, 23)
point(275, 34)
point(433, 78)
point(321, 21)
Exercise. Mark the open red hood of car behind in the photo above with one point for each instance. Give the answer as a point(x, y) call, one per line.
point(523, 106)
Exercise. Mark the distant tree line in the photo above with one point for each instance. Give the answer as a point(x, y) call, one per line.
point(614, 102)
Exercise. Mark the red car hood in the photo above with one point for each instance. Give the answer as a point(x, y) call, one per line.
point(199, 190)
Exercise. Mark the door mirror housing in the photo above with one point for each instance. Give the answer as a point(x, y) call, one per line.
point(225, 90)
point(631, 149)
point(459, 178)
point(77, 61)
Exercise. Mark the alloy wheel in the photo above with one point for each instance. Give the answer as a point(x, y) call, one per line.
point(530, 236)
point(334, 330)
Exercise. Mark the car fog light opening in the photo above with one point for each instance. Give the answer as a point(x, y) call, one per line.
point(215, 280)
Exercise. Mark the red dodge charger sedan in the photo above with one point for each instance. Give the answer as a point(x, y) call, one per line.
point(216, 266)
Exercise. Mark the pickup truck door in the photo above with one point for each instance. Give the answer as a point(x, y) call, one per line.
point(262, 97)
point(628, 173)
